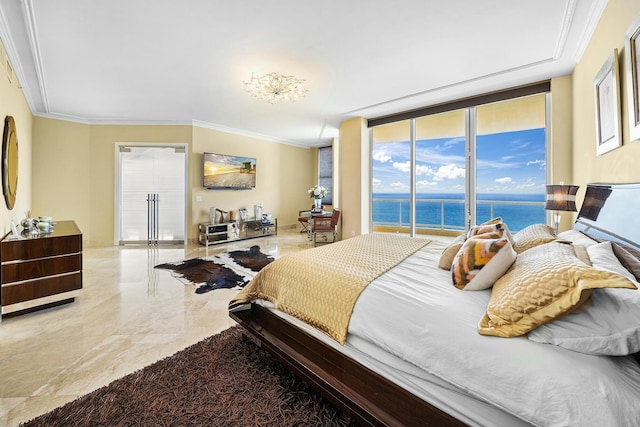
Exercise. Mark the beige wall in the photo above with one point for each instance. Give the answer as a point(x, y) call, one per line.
point(74, 170)
point(621, 164)
point(353, 172)
point(13, 103)
point(74, 174)
point(284, 173)
point(61, 164)
point(561, 148)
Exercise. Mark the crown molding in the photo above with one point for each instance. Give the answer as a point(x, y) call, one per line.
point(194, 123)
point(595, 13)
point(32, 32)
point(114, 122)
point(249, 134)
point(12, 54)
point(569, 14)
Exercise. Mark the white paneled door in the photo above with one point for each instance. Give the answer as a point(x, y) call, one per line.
point(151, 193)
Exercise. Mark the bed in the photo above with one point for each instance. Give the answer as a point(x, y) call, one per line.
point(419, 351)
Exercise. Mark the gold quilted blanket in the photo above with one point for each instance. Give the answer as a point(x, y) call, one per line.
point(321, 286)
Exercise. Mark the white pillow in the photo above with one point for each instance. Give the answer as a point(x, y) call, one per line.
point(603, 258)
point(577, 238)
point(611, 323)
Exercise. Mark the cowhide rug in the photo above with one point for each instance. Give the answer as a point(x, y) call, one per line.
point(227, 270)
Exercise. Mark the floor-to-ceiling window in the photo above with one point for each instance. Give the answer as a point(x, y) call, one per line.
point(453, 168)
point(391, 175)
point(325, 172)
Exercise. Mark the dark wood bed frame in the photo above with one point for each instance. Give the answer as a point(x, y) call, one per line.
point(369, 398)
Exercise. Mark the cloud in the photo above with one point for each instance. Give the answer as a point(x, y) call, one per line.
point(541, 163)
point(450, 171)
point(425, 185)
point(376, 182)
point(505, 180)
point(400, 186)
point(423, 170)
point(381, 156)
point(403, 167)
point(454, 141)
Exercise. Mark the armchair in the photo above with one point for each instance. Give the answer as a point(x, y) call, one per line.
point(304, 218)
point(325, 226)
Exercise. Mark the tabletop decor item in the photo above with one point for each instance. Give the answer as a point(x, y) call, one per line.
point(317, 193)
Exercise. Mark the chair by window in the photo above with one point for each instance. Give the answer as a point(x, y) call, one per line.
point(325, 226)
point(303, 218)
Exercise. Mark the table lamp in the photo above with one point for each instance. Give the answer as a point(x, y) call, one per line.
point(561, 198)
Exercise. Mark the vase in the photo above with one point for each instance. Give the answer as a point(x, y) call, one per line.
point(317, 205)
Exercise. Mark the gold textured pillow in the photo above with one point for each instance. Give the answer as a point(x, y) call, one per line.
point(446, 258)
point(543, 284)
point(532, 236)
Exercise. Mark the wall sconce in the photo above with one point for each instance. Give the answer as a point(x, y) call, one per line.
point(561, 198)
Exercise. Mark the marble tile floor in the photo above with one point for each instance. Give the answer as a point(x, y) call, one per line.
point(128, 316)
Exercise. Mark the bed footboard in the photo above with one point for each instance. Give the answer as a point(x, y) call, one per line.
point(366, 396)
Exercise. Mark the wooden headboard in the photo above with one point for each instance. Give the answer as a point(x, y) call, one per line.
point(609, 212)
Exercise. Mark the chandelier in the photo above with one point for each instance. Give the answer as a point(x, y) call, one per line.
point(274, 87)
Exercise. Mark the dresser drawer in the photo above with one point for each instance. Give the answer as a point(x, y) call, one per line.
point(18, 271)
point(39, 248)
point(13, 293)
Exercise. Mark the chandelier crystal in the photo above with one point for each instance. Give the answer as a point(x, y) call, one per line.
point(274, 87)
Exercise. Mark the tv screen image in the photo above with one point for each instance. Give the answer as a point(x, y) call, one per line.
point(231, 172)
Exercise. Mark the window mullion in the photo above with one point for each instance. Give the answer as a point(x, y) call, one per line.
point(470, 167)
point(412, 193)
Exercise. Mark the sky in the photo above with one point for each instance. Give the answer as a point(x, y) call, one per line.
point(509, 162)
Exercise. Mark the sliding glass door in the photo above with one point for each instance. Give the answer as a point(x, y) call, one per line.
point(440, 171)
point(391, 176)
point(511, 161)
point(151, 193)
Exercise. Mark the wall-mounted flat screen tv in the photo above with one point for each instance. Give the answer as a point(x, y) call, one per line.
point(228, 172)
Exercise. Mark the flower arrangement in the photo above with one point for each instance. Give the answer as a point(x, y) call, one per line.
point(318, 192)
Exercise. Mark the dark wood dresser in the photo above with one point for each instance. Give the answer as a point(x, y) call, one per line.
point(42, 271)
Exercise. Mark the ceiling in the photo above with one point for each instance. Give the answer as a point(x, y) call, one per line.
point(184, 62)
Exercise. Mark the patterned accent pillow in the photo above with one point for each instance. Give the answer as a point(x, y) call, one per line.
point(447, 255)
point(532, 236)
point(480, 262)
point(493, 221)
point(545, 283)
point(494, 230)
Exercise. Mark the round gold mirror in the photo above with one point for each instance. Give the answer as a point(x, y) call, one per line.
point(9, 162)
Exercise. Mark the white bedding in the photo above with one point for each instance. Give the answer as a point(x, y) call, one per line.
point(415, 313)
point(414, 327)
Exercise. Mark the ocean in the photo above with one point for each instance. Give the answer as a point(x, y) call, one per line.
point(446, 210)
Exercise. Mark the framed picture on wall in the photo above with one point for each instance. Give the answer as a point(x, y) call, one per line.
point(607, 105)
point(632, 64)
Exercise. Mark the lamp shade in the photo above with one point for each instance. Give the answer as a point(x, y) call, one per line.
point(561, 197)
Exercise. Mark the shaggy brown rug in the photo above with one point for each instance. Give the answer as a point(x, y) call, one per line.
point(224, 380)
point(227, 270)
